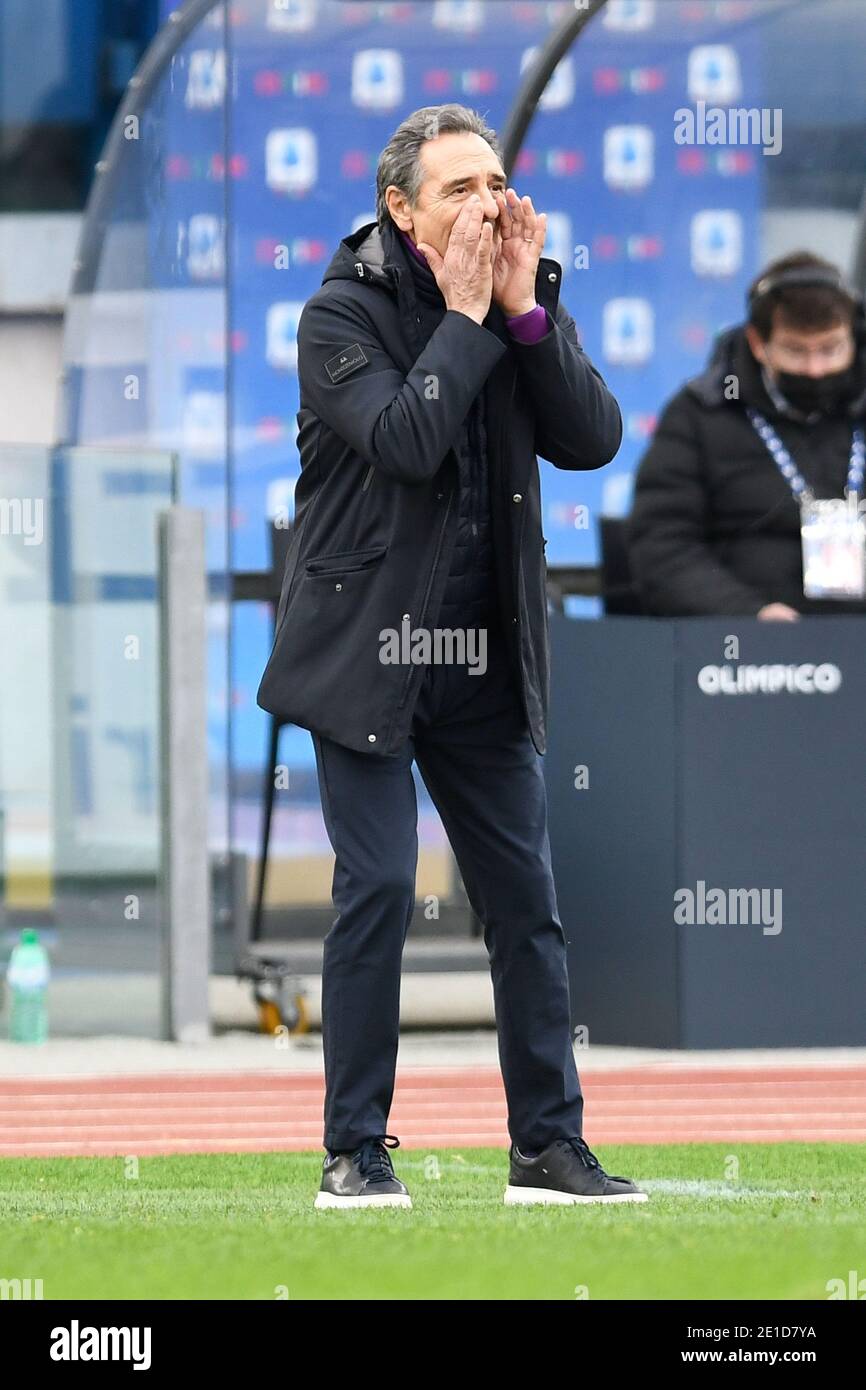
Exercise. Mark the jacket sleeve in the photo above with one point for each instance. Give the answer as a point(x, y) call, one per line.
point(674, 566)
point(578, 422)
point(405, 425)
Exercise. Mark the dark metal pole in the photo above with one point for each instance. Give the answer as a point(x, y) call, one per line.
point(538, 75)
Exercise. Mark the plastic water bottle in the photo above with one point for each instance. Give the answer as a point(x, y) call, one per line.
point(27, 977)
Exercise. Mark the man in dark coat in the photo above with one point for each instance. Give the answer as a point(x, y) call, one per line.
point(715, 526)
point(434, 363)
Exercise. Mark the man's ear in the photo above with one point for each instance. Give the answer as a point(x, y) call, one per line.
point(398, 207)
point(757, 344)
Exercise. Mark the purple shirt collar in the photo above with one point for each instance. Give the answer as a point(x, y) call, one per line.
point(414, 249)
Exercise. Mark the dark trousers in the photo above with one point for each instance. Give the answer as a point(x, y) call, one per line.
point(473, 749)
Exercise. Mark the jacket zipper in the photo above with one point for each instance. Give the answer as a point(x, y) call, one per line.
point(516, 587)
point(367, 478)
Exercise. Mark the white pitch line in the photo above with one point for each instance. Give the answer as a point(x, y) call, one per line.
point(682, 1187)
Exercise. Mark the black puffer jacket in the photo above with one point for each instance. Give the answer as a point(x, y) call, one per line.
point(714, 527)
point(381, 410)
point(469, 599)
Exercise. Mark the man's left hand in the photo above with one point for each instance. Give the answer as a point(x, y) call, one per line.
point(522, 233)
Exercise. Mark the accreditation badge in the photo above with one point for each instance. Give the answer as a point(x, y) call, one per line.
point(834, 549)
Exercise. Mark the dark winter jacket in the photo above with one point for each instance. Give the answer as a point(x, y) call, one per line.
point(381, 409)
point(714, 527)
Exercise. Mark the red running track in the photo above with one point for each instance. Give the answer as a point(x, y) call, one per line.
point(259, 1112)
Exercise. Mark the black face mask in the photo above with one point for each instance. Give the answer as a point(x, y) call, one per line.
point(822, 393)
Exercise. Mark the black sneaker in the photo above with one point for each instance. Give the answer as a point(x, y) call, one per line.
point(364, 1178)
point(564, 1173)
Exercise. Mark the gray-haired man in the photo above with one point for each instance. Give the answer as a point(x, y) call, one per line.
point(435, 363)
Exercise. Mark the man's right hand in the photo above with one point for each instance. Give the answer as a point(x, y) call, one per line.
point(778, 613)
point(465, 274)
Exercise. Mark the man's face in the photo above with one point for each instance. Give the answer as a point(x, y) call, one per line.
point(455, 166)
point(813, 354)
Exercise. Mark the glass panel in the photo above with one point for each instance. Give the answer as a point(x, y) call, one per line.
point(146, 328)
point(79, 725)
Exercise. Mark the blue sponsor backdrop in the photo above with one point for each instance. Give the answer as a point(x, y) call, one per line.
point(657, 240)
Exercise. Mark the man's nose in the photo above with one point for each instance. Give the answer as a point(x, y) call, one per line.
point(489, 206)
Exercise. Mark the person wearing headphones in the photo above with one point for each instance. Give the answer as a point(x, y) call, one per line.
point(749, 499)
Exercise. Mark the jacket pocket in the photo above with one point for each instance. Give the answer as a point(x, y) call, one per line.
point(345, 561)
point(325, 671)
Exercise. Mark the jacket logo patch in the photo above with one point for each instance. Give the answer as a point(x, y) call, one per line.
point(346, 360)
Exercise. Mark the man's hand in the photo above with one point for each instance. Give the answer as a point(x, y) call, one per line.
point(778, 613)
point(522, 231)
point(465, 274)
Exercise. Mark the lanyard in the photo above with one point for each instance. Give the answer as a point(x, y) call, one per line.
point(791, 473)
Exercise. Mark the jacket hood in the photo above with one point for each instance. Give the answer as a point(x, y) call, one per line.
point(365, 254)
point(731, 356)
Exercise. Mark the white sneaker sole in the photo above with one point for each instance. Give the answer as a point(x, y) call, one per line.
point(387, 1199)
point(553, 1197)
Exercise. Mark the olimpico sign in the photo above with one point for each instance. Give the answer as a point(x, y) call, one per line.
point(807, 679)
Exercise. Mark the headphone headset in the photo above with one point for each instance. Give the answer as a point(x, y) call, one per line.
point(811, 275)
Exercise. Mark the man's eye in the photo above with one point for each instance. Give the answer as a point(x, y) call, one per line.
point(499, 188)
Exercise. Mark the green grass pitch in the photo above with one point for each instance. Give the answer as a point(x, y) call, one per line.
point(737, 1221)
